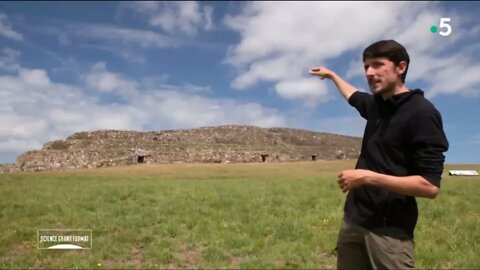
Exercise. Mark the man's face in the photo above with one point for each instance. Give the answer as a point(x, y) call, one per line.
point(382, 75)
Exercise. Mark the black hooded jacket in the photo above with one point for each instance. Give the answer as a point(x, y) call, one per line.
point(403, 136)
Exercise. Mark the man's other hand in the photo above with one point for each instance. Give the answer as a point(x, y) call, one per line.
point(350, 179)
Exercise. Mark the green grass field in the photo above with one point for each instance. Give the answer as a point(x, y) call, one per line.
point(263, 215)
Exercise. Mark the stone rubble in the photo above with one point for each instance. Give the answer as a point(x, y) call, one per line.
point(222, 144)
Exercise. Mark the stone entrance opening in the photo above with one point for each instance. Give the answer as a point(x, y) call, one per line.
point(314, 157)
point(140, 159)
point(264, 157)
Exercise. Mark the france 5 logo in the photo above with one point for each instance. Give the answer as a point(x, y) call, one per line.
point(444, 27)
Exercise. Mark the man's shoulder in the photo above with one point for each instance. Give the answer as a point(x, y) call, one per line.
point(420, 104)
point(420, 112)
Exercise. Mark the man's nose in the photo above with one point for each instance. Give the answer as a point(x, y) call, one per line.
point(370, 72)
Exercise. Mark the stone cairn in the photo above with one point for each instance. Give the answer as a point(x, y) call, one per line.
point(222, 144)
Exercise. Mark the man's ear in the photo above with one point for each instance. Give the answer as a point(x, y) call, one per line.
point(402, 67)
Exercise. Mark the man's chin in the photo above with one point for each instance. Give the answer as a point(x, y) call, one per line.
point(375, 90)
point(379, 91)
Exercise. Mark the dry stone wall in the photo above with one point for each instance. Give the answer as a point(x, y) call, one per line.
point(223, 144)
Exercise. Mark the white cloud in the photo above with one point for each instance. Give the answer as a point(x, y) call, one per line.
point(127, 53)
point(175, 17)
point(120, 36)
point(280, 41)
point(34, 77)
point(25, 104)
point(34, 109)
point(14, 146)
point(319, 30)
point(309, 89)
point(355, 69)
point(20, 126)
point(207, 16)
point(106, 35)
point(8, 60)
point(174, 109)
point(462, 76)
point(441, 62)
point(197, 89)
point(160, 82)
point(273, 69)
point(6, 29)
point(126, 43)
point(101, 79)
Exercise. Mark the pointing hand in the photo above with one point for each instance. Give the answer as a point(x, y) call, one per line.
point(323, 72)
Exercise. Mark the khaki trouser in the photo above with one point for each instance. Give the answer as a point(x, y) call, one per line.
point(359, 248)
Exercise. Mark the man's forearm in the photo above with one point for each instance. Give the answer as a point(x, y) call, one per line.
point(344, 87)
point(414, 185)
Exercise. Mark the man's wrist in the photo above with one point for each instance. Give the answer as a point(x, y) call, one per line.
point(371, 178)
point(333, 76)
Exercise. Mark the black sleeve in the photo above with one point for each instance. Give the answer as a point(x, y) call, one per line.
point(362, 102)
point(428, 144)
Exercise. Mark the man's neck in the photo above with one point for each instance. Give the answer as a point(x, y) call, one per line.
point(398, 90)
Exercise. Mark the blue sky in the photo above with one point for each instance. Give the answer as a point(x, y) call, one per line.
point(74, 66)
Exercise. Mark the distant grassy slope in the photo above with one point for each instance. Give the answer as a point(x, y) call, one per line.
point(257, 215)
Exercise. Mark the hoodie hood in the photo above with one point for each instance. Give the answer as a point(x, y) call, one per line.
point(390, 105)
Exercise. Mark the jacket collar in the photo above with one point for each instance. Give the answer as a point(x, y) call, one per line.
point(391, 104)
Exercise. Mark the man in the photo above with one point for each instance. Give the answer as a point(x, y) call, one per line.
point(401, 158)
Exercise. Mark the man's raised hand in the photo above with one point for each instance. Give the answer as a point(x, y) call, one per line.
point(323, 72)
point(344, 87)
